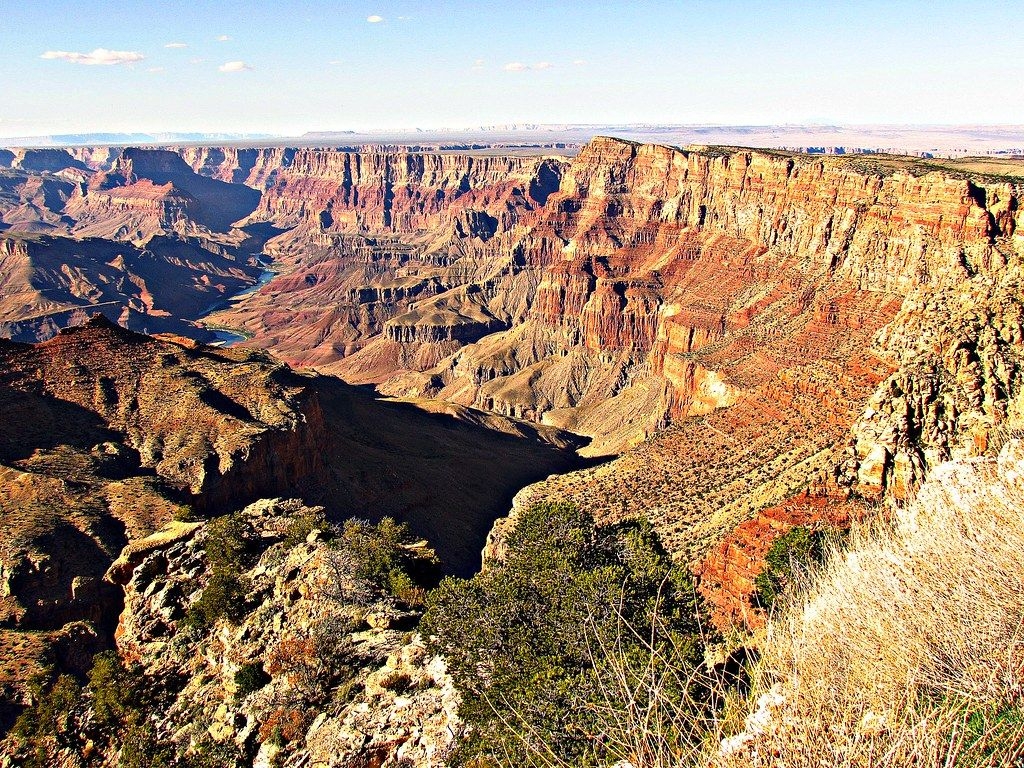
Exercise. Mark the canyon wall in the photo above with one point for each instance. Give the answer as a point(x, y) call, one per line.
point(756, 300)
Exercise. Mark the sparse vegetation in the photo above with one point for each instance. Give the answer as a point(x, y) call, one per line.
point(523, 639)
point(249, 678)
point(388, 556)
point(792, 552)
point(303, 524)
point(231, 547)
point(45, 727)
point(120, 704)
point(224, 596)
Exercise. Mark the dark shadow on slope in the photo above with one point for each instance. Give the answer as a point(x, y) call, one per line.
point(447, 479)
point(31, 421)
point(220, 204)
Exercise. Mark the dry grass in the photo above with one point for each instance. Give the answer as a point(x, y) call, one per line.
point(905, 650)
point(909, 648)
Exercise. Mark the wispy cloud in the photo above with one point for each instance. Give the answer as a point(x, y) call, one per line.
point(176, 45)
point(335, 62)
point(375, 19)
point(518, 66)
point(478, 64)
point(196, 60)
point(235, 66)
point(155, 69)
point(579, 63)
point(99, 57)
point(223, 38)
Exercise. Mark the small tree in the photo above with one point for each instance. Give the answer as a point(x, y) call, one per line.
point(525, 640)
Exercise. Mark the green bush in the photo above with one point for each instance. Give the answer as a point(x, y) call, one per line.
point(249, 678)
point(383, 557)
point(794, 550)
point(224, 596)
point(113, 688)
point(47, 726)
point(231, 543)
point(527, 641)
point(120, 703)
point(141, 747)
point(231, 547)
point(301, 525)
point(185, 514)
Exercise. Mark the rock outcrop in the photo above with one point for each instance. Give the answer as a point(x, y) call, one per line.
point(345, 678)
point(319, 667)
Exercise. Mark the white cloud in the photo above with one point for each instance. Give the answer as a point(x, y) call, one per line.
point(176, 45)
point(375, 19)
point(579, 63)
point(223, 38)
point(518, 66)
point(155, 69)
point(196, 60)
point(234, 66)
point(99, 57)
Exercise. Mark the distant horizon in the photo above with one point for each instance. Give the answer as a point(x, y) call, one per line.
point(527, 126)
point(921, 139)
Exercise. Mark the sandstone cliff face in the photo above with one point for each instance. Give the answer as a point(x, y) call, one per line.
point(149, 191)
point(371, 236)
point(668, 277)
point(747, 288)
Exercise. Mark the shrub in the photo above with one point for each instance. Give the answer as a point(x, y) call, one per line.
point(185, 514)
point(224, 596)
point(303, 524)
point(282, 726)
point(525, 640)
point(113, 688)
point(906, 650)
point(298, 659)
point(141, 748)
point(795, 550)
point(383, 556)
point(230, 543)
point(249, 678)
point(47, 725)
point(397, 682)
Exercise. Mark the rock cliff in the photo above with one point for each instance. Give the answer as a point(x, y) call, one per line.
point(757, 300)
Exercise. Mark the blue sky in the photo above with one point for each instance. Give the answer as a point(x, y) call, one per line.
point(298, 65)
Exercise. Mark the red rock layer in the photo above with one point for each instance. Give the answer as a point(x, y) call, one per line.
point(725, 577)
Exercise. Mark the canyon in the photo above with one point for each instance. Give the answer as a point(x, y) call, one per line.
point(727, 342)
